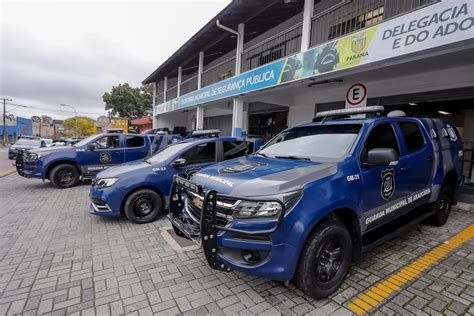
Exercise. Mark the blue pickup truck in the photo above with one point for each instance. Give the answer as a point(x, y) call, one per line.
point(140, 190)
point(318, 195)
point(65, 166)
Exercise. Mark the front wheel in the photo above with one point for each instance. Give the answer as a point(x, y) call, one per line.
point(143, 206)
point(325, 260)
point(64, 176)
point(442, 206)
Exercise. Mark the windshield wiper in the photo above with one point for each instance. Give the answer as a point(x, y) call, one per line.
point(293, 158)
point(260, 154)
point(146, 160)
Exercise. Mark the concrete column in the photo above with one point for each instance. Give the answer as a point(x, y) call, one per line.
point(306, 29)
point(245, 118)
point(180, 74)
point(165, 87)
point(199, 118)
point(240, 48)
point(237, 117)
point(200, 69)
point(155, 120)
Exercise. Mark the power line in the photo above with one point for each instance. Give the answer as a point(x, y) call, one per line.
point(50, 109)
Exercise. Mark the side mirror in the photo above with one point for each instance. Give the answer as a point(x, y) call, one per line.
point(381, 156)
point(180, 162)
point(43, 144)
point(92, 147)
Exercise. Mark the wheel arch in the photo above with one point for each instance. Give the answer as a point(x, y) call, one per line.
point(61, 162)
point(141, 187)
point(348, 217)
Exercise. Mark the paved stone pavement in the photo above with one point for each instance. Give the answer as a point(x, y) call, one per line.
point(56, 258)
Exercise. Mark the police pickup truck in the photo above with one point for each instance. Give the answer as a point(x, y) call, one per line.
point(318, 195)
point(140, 189)
point(65, 166)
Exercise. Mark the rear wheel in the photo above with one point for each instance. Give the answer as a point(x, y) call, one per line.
point(325, 260)
point(64, 176)
point(143, 206)
point(442, 206)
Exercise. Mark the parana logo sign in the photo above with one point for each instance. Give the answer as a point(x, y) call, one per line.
point(433, 26)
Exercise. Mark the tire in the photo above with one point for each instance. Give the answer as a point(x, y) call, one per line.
point(64, 176)
point(321, 268)
point(442, 206)
point(143, 206)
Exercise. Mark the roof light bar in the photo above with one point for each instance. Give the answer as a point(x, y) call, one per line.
point(353, 111)
point(208, 132)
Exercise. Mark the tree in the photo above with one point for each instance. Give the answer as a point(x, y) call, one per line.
point(85, 126)
point(127, 101)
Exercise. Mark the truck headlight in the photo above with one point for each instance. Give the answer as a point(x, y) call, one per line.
point(249, 209)
point(105, 182)
point(32, 157)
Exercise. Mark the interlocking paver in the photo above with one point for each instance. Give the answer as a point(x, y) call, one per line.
point(56, 258)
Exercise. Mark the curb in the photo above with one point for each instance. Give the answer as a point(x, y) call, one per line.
point(8, 172)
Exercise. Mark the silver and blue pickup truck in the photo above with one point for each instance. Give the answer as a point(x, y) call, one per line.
point(318, 195)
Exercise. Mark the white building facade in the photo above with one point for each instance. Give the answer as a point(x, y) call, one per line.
point(261, 66)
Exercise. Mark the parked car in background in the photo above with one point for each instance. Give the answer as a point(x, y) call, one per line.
point(24, 144)
point(318, 195)
point(66, 166)
point(140, 189)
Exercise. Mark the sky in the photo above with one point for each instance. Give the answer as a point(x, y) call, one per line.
point(73, 51)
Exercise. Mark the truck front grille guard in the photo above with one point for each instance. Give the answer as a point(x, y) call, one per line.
point(20, 163)
point(208, 221)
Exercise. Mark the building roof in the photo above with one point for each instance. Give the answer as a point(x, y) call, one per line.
point(142, 120)
point(258, 17)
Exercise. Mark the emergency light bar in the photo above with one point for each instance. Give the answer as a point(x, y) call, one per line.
point(207, 133)
point(346, 112)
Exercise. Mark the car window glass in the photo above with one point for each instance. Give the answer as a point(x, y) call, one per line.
point(412, 135)
point(201, 154)
point(234, 149)
point(382, 136)
point(107, 142)
point(134, 141)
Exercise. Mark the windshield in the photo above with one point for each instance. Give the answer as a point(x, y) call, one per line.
point(318, 143)
point(28, 142)
point(168, 152)
point(84, 141)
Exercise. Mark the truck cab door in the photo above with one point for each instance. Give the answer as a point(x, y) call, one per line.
point(102, 153)
point(384, 186)
point(196, 158)
point(135, 147)
point(417, 153)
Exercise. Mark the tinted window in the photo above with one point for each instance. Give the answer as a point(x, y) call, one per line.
point(107, 142)
point(382, 136)
point(135, 141)
point(234, 149)
point(412, 135)
point(201, 153)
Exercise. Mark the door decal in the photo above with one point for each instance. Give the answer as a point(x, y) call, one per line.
point(105, 157)
point(388, 183)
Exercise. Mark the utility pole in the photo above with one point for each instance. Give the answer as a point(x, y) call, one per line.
point(5, 140)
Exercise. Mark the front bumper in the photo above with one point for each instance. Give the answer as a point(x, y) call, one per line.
point(106, 201)
point(28, 169)
point(248, 246)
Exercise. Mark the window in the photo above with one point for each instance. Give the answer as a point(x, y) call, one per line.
point(329, 142)
point(382, 136)
point(107, 142)
point(234, 149)
point(412, 135)
point(135, 141)
point(201, 154)
point(359, 22)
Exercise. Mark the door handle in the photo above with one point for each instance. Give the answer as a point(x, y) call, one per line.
point(404, 168)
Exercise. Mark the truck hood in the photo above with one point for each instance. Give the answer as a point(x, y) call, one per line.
point(259, 176)
point(130, 168)
point(43, 151)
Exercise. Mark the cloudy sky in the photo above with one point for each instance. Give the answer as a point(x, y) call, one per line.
point(72, 51)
